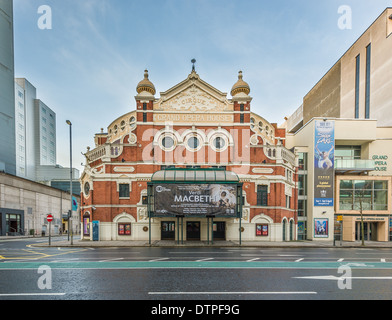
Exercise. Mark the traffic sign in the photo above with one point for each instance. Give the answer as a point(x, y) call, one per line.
point(49, 218)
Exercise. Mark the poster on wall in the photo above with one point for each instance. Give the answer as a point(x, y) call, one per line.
point(321, 228)
point(195, 200)
point(324, 163)
point(86, 226)
point(262, 230)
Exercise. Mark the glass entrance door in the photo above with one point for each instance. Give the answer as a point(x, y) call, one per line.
point(193, 230)
point(168, 230)
point(370, 231)
point(219, 231)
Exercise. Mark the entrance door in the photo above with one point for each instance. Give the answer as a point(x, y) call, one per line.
point(370, 231)
point(168, 230)
point(193, 230)
point(219, 231)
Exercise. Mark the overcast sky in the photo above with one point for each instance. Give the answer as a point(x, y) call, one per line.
point(87, 66)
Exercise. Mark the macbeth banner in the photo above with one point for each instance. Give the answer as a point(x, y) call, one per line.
point(195, 200)
point(324, 159)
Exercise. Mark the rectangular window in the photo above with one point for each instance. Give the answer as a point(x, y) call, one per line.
point(365, 194)
point(262, 196)
point(242, 108)
point(302, 185)
point(367, 96)
point(357, 74)
point(144, 200)
point(348, 152)
point(242, 118)
point(303, 161)
point(144, 106)
point(288, 199)
point(144, 117)
point(302, 208)
point(124, 190)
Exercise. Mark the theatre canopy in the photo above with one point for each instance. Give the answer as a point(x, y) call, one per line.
point(195, 193)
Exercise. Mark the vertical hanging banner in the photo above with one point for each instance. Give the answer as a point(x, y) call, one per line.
point(324, 163)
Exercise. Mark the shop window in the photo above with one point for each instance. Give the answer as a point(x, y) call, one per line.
point(124, 229)
point(365, 194)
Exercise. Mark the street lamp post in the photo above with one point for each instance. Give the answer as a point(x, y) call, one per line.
point(70, 169)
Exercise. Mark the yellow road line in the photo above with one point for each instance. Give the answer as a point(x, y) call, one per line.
point(39, 255)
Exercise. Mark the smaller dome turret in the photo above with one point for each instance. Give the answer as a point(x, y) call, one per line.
point(145, 85)
point(240, 86)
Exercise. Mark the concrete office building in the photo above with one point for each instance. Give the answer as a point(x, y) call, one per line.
point(355, 98)
point(36, 140)
point(7, 98)
point(36, 130)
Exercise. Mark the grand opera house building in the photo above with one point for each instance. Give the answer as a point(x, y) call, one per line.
point(191, 165)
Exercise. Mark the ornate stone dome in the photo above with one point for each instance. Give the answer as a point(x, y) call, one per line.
point(240, 86)
point(145, 85)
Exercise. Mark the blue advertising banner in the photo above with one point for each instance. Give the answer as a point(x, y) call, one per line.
point(74, 204)
point(324, 159)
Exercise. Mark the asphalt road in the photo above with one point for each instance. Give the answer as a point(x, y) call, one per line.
point(161, 274)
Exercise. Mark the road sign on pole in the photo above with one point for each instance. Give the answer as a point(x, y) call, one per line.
point(49, 218)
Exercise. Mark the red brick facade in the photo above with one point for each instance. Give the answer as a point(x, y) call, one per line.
point(224, 133)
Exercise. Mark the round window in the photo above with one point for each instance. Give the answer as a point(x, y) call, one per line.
point(193, 143)
point(219, 143)
point(168, 142)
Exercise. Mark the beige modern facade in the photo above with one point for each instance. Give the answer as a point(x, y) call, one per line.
point(355, 96)
point(362, 177)
point(359, 85)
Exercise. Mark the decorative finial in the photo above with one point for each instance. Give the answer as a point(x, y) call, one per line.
point(146, 74)
point(240, 75)
point(193, 62)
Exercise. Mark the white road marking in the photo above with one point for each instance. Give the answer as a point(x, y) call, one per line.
point(161, 259)
point(299, 260)
point(206, 259)
point(255, 259)
point(340, 260)
point(114, 259)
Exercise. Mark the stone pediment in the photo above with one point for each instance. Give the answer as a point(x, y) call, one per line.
point(193, 95)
